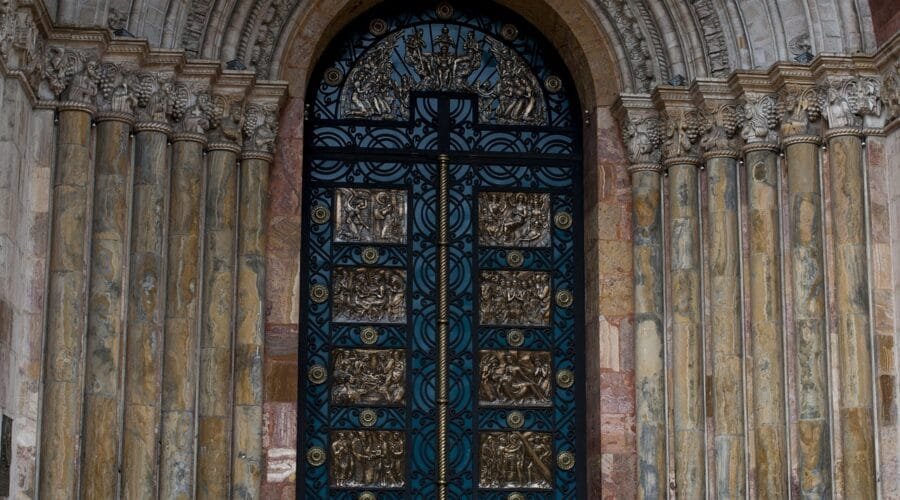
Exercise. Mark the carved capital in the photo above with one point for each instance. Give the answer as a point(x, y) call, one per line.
point(683, 129)
point(155, 97)
point(643, 139)
point(800, 107)
point(853, 102)
point(260, 127)
point(227, 119)
point(760, 119)
point(720, 133)
point(117, 89)
point(193, 110)
point(72, 75)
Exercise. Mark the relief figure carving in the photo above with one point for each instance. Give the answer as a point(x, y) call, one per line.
point(515, 298)
point(515, 378)
point(370, 216)
point(514, 219)
point(367, 459)
point(368, 377)
point(369, 295)
point(516, 460)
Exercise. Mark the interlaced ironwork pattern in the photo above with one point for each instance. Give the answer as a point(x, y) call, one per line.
point(399, 87)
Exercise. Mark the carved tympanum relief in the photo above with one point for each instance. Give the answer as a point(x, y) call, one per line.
point(369, 295)
point(368, 377)
point(516, 460)
point(515, 378)
point(370, 215)
point(375, 89)
point(367, 459)
point(514, 219)
point(515, 298)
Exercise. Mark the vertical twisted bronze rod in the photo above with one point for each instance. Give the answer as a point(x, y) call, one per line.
point(443, 318)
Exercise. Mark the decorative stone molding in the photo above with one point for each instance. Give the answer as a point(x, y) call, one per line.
point(800, 106)
point(717, 59)
point(636, 47)
point(760, 119)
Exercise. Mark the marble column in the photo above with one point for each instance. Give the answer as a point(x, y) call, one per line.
point(106, 299)
point(852, 310)
point(214, 401)
point(725, 307)
point(649, 340)
point(247, 455)
point(766, 320)
point(146, 289)
point(179, 387)
point(808, 302)
point(66, 303)
point(687, 338)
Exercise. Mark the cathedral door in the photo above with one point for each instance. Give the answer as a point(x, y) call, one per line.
point(441, 314)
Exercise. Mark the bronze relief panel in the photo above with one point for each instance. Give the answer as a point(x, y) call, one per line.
point(514, 219)
point(369, 459)
point(516, 460)
point(515, 378)
point(369, 295)
point(515, 298)
point(375, 377)
point(370, 215)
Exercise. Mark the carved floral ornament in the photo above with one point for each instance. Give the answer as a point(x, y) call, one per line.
point(642, 139)
point(683, 129)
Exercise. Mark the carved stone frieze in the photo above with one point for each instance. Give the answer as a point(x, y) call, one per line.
point(369, 295)
point(800, 107)
point(643, 139)
point(260, 127)
point(21, 43)
point(515, 378)
point(72, 75)
point(370, 215)
point(261, 32)
point(516, 460)
point(683, 129)
point(368, 377)
point(760, 119)
point(375, 459)
point(722, 124)
point(515, 298)
point(512, 219)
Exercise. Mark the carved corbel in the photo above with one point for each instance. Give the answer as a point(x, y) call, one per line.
point(72, 75)
point(720, 135)
point(683, 129)
point(260, 127)
point(760, 119)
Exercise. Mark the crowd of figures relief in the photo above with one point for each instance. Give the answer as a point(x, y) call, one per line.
point(369, 295)
point(367, 458)
point(515, 298)
point(516, 460)
point(514, 219)
point(370, 216)
point(508, 92)
point(515, 378)
point(368, 376)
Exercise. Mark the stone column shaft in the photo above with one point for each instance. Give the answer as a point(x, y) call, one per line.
point(649, 341)
point(766, 321)
point(214, 404)
point(66, 298)
point(687, 337)
point(808, 299)
point(144, 339)
point(725, 322)
point(852, 310)
point(250, 329)
point(179, 387)
point(106, 302)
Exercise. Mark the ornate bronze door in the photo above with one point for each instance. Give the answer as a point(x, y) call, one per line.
point(441, 321)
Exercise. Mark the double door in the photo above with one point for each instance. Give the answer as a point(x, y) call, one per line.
point(441, 323)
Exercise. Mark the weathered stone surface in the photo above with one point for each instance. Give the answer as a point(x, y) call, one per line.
point(213, 464)
point(176, 456)
point(139, 453)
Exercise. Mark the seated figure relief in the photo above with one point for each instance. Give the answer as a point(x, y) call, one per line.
point(516, 460)
point(367, 459)
point(515, 378)
point(368, 377)
point(369, 295)
point(515, 298)
point(514, 219)
point(370, 215)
